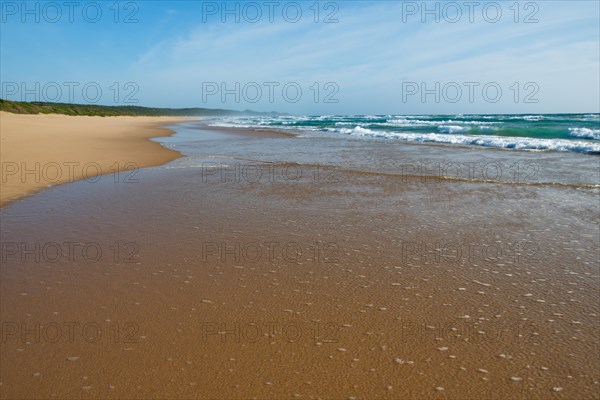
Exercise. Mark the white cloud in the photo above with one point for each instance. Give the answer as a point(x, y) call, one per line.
point(371, 52)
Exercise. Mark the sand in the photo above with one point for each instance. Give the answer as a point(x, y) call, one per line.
point(41, 150)
point(176, 304)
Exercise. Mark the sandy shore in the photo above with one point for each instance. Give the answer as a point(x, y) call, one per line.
point(229, 283)
point(42, 150)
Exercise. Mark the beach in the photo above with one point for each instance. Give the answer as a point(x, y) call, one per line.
point(261, 265)
point(351, 200)
point(38, 151)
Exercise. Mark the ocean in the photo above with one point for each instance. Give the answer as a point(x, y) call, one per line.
point(508, 149)
point(579, 133)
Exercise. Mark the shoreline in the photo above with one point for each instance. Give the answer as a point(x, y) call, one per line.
point(40, 151)
point(194, 270)
point(244, 131)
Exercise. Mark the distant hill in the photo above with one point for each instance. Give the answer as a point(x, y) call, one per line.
point(19, 107)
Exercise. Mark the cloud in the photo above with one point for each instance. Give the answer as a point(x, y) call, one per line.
point(369, 54)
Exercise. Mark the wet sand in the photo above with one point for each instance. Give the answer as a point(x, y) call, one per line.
point(38, 151)
point(332, 285)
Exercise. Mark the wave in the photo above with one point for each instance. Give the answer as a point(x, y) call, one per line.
point(558, 132)
point(359, 130)
point(452, 129)
point(505, 142)
point(585, 133)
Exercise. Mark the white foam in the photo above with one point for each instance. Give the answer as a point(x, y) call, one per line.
point(358, 130)
point(452, 129)
point(485, 141)
point(585, 133)
point(420, 122)
point(532, 117)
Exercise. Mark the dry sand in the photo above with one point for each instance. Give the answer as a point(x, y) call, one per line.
point(41, 150)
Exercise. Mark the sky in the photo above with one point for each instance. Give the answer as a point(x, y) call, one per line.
point(307, 57)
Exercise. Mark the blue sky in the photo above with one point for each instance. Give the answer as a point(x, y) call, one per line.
point(378, 57)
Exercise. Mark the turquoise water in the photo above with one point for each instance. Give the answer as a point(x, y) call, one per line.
point(552, 132)
point(202, 145)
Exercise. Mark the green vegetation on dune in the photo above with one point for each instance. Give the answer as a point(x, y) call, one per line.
point(18, 107)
